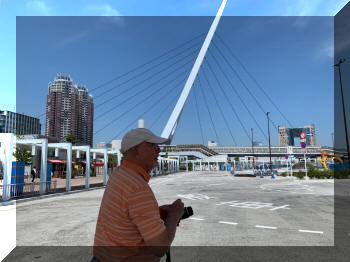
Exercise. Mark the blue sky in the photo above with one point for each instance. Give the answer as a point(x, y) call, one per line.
point(310, 50)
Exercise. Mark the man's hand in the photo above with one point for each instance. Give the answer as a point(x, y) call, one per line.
point(177, 208)
point(163, 211)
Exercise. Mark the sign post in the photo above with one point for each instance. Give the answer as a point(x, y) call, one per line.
point(290, 156)
point(303, 145)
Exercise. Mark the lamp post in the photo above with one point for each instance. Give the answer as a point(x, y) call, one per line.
point(332, 134)
point(342, 60)
point(253, 147)
point(268, 130)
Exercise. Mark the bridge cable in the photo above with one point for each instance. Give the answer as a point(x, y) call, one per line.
point(229, 102)
point(236, 92)
point(148, 62)
point(197, 110)
point(202, 72)
point(148, 109)
point(140, 66)
point(148, 78)
point(149, 69)
point(138, 104)
point(207, 105)
point(177, 95)
point(147, 87)
point(253, 78)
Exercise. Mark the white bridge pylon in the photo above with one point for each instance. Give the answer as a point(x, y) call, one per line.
point(171, 125)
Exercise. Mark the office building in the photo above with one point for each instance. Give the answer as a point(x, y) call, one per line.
point(287, 135)
point(11, 122)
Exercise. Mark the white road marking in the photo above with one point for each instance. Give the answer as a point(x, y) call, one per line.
point(215, 184)
point(253, 205)
point(230, 223)
point(267, 227)
point(195, 196)
point(195, 218)
point(280, 207)
point(309, 231)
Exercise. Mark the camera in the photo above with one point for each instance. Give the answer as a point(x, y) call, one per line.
point(188, 211)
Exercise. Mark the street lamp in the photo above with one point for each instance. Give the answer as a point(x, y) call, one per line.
point(342, 60)
point(332, 134)
point(268, 130)
point(253, 147)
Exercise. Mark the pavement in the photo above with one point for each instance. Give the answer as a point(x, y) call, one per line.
point(252, 219)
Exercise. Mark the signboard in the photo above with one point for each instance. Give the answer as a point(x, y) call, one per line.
point(302, 135)
point(309, 134)
point(291, 156)
point(303, 144)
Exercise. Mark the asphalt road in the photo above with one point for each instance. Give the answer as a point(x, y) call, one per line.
point(228, 211)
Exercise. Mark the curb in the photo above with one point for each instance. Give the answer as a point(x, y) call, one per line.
point(13, 202)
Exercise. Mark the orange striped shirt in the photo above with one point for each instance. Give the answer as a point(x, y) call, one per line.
point(129, 214)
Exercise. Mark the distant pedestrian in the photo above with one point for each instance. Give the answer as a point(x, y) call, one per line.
point(33, 173)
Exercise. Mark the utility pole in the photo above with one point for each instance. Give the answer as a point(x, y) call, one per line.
point(342, 60)
point(253, 147)
point(332, 134)
point(268, 129)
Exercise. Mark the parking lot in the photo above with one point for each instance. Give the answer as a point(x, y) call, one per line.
point(228, 211)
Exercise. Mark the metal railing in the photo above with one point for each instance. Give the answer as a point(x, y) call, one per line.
point(27, 189)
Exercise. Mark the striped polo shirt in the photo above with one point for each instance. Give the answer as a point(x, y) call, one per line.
point(129, 215)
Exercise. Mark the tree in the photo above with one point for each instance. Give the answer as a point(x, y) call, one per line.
point(70, 138)
point(23, 154)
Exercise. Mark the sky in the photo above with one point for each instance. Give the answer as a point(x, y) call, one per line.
point(289, 51)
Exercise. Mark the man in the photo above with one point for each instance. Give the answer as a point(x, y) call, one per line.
point(130, 225)
point(33, 173)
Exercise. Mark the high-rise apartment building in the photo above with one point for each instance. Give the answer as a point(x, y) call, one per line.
point(286, 135)
point(11, 122)
point(69, 110)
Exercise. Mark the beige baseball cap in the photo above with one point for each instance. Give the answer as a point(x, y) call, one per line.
point(138, 135)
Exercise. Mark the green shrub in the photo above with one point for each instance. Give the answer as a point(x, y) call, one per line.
point(283, 174)
point(299, 175)
point(341, 174)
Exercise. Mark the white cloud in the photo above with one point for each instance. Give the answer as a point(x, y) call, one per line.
point(302, 8)
point(38, 8)
point(325, 50)
point(102, 10)
point(110, 14)
point(66, 40)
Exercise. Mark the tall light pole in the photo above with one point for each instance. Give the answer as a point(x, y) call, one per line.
point(342, 60)
point(332, 134)
point(268, 130)
point(253, 147)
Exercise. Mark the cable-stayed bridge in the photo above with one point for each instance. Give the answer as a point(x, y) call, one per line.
point(203, 75)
